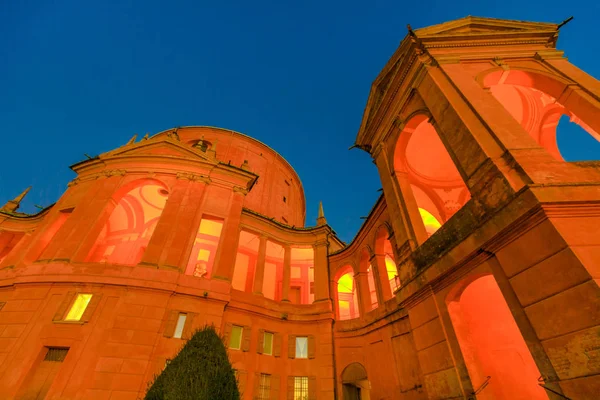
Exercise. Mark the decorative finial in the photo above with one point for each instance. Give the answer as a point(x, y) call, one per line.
point(13, 205)
point(132, 140)
point(321, 218)
point(146, 136)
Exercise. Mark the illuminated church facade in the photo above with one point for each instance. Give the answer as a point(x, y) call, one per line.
point(474, 276)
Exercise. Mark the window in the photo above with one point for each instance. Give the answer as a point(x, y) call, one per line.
point(179, 327)
point(301, 347)
point(78, 308)
point(40, 379)
point(235, 339)
point(202, 258)
point(301, 388)
point(268, 344)
point(264, 387)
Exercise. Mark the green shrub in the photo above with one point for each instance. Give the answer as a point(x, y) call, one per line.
point(201, 371)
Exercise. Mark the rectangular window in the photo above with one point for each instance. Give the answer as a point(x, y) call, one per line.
point(41, 377)
point(301, 388)
point(268, 344)
point(264, 388)
point(78, 308)
point(235, 339)
point(179, 327)
point(207, 239)
point(301, 347)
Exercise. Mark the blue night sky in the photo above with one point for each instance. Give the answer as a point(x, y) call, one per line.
point(82, 77)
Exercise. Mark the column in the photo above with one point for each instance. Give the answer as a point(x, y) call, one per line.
point(165, 227)
point(382, 283)
point(181, 223)
point(230, 236)
point(364, 295)
point(259, 275)
point(87, 221)
point(321, 264)
point(411, 209)
point(287, 270)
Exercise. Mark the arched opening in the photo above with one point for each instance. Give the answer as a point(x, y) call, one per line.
point(530, 99)
point(202, 258)
point(126, 234)
point(347, 295)
point(366, 267)
point(492, 344)
point(385, 258)
point(434, 181)
point(245, 262)
point(355, 384)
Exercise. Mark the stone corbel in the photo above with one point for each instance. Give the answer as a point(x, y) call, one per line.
point(239, 189)
point(500, 63)
point(193, 177)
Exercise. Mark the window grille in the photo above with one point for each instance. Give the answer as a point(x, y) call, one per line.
point(301, 388)
point(264, 388)
point(56, 354)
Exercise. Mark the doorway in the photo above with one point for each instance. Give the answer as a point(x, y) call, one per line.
point(355, 385)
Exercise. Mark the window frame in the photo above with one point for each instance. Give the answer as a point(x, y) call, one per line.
point(179, 319)
point(240, 340)
point(297, 355)
point(270, 353)
point(72, 305)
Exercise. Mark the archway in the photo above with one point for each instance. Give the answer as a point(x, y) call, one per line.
point(433, 179)
point(491, 343)
point(532, 100)
point(347, 294)
point(355, 385)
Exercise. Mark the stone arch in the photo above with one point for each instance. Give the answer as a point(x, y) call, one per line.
point(490, 341)
point(432, 192)
point(355, 383)
point(538, 99)
point(346, 293)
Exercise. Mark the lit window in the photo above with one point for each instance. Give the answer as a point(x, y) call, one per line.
point(235, 339)
point(202, 258)
point(268, 343)
point(179, 327)
point(301, 388)
point(78, 308)
point(264, 388)
point(301, 347)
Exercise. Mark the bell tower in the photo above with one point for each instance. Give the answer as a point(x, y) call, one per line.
point(461, 123)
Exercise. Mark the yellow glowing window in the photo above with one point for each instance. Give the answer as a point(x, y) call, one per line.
point(431, 223)
point(346, 284)
point(300, 387)
point(268, 344)
point(203, 255)
point(78, 308)
point(235, 339)
point(210, 227)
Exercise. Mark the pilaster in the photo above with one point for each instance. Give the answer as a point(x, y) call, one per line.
point(259, 275)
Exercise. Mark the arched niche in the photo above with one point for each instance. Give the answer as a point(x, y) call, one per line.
point(434, 182)
point(346, 293)
point(491, 343)
point(537, 102)
point(355, 383)
point(135, 211)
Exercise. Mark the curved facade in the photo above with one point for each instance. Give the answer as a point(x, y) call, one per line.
point(474, 275)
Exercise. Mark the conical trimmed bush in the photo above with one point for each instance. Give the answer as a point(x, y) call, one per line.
point(201, 371)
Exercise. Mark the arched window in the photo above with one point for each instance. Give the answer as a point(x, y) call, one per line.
point(434, 181)
point(204, 250)
point(245, 261)
point(126, 234)
point(347, 294)
point(528, 97)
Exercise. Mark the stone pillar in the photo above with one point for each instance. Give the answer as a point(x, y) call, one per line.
point(321, 264)
point(402, 214)
point(259, 274)
point(230, 236)
point(183, 219)
point(165, 227)
point(382, 283)
point(364, 294)
point(287, 271)
point(87, 221)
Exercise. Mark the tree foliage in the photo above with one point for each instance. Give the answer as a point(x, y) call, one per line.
point(201, 371)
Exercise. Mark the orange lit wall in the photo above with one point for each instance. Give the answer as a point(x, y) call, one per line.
point(492, 344)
